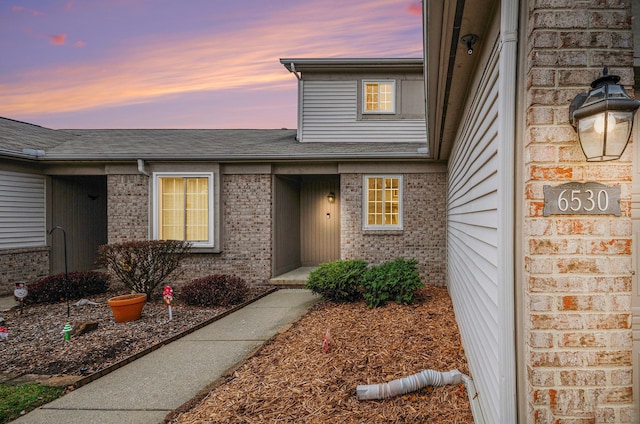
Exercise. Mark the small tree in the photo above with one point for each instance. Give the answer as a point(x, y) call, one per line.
point(143, 265)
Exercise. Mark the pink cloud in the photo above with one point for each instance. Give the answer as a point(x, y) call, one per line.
point(18, 9)
point(58, 39)
point(69, 5)
point(415, 8)
point(80, 44)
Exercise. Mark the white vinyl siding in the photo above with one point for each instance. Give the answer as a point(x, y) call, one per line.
point(330, 114)
point(476, 222)
point(22, 210)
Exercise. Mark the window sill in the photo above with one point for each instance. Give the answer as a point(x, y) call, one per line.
point(199, 250)
point(382, 232)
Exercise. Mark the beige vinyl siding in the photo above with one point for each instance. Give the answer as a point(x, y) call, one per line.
point(320, 236)
point(22, 210)
point(286, 231)
point(473, 240)
point(330, 113)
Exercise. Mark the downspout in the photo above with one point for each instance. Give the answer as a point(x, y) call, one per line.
point(141, 168)
point(300, 89)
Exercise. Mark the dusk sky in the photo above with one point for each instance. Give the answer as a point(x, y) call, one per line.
point(182, 64)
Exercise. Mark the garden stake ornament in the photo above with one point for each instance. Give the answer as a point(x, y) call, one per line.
point(167, 294)
point(66, 331)
point(326, 340)
point(20, 293)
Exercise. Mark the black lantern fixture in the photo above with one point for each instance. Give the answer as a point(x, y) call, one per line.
point(603, 118)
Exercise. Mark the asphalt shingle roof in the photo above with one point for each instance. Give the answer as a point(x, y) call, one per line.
point(191, 144)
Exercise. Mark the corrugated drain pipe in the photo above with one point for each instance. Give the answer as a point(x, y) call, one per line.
point(418, 381)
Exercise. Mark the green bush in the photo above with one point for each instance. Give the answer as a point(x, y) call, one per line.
point(54, 287)
point(215, 290)
point(339, 281)
point(143, 265)
point(396, 280)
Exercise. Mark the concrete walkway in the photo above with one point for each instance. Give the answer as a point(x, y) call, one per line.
point(148, 389)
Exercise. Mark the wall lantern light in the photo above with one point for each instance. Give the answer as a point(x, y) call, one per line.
point(331, 197)
point(603, 118)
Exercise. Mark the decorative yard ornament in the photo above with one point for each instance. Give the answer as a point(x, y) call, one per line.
point(603, 118)
point(4, 334)
point(326, 341)
point(20, 292)
point(66, 331)
point(167, 295)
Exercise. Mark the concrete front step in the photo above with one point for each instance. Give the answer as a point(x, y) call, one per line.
point(296, 278)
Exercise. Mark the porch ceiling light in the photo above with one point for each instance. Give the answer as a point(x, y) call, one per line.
point(603, 118)
point(331, 197)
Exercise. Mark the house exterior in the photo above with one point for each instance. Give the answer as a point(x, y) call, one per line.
point(547, 303)
point(253, 202)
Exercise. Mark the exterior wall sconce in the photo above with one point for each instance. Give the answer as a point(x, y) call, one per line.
point(331, 197)
point(603, 118)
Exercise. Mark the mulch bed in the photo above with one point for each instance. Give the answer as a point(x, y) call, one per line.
point(291, 379)
point(36, 347)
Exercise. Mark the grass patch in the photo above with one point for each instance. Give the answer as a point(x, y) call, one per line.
point(27, 397)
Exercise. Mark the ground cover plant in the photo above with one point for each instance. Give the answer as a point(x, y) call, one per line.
point(54, 288)
point(17, 400)
point(339, 281)
point(215, 290)
point(395, 281)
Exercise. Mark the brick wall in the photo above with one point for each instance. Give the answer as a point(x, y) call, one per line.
point(577, 267)
point(246, 236)
point(246, 243)
point(127, 208)
point(424, 220)
point(22, 265)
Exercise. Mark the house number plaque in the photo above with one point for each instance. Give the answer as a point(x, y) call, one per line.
point(581, 199)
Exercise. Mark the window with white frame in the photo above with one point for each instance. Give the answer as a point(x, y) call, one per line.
point(183, 208)
point(379, 96)
point(382, 202)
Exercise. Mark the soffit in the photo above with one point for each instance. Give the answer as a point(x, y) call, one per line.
point(448, 67)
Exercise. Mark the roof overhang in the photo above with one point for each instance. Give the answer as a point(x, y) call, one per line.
point(448, 69)
point(353, 65)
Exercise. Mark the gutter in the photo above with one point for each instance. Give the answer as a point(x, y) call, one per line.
point(32, 154)
point(418, 154)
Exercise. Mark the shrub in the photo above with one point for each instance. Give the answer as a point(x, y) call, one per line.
point(143, 265)
point(396, 280)
point(338, 281)
point(54, 288)
point(215, 290)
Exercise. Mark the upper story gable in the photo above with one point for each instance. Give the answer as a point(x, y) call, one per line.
point(360, 100)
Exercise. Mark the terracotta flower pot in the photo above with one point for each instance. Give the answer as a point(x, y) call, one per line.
point(127, 307)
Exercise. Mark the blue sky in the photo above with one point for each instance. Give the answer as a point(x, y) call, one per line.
point(182, 64)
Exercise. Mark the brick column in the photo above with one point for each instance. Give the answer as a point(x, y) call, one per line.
point(577, 267)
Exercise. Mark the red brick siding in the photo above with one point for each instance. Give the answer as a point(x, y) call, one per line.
point(577, 268)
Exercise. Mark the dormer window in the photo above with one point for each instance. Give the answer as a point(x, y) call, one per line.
point(379, 96)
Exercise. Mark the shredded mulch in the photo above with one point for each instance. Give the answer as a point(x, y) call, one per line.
point(35, 345)
point(291, 379)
